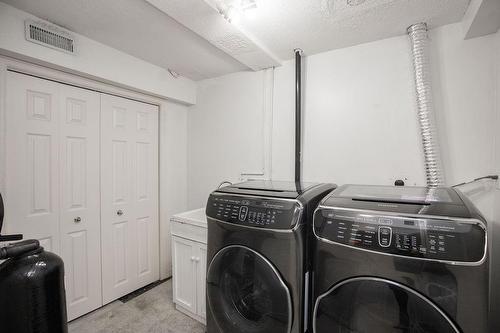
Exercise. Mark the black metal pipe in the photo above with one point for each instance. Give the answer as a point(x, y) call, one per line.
point(298, 114)
point(1, 213)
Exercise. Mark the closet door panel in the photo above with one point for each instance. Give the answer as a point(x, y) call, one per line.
point(119, 260)
point(32, 159)
point(129, 195)
point(79, 201)
point(146, 191)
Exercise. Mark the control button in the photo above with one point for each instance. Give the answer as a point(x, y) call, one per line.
point(385, 221)
point(384, 236)
point(243, 213)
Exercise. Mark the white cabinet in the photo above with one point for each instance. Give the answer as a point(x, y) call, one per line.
point(82, 178)
point(184, 268)
point(189, 257)
point(202, 280)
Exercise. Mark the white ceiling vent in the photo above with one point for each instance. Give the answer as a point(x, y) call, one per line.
point(49, 35)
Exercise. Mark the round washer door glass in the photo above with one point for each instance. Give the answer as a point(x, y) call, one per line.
point(246, 293)
point(372, 305)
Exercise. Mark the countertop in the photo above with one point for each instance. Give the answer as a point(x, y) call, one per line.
point(195, 217)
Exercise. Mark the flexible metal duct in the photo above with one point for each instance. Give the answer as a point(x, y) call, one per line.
point(432, 157)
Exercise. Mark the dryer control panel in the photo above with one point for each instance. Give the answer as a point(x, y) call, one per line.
point(254, 212)
point(426, 238)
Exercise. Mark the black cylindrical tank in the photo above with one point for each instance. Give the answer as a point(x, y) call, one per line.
point(32, 295)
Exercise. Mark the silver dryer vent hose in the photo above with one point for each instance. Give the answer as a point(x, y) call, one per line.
point(432, 157)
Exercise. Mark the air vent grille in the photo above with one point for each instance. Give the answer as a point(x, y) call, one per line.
point(49, 35)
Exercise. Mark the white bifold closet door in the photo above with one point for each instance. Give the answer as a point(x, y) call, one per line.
point(129, 195)
point(52, 179)
point(79, 199)
point(82, 178)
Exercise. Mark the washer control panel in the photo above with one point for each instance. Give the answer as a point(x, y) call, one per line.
point(428, 238)
point(254, 212)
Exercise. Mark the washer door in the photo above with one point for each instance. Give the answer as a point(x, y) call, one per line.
point(246, 293)
point(373, 305)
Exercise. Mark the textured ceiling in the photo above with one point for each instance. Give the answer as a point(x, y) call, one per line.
point(137, 28)
point(208, 46)
point(321, 25)
point(203, 18)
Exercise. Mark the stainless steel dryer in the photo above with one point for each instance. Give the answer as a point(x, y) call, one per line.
point(257, 266)
point(399, 259)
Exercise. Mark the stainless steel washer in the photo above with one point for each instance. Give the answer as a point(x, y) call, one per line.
point(257, 278)
point(399, 259)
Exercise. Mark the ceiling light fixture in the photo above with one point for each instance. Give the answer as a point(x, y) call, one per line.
point(229, 12)
point(233, 11)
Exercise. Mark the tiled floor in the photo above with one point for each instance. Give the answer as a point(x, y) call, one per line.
point(151, 312)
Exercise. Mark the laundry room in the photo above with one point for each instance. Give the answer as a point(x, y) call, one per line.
point(249, 166)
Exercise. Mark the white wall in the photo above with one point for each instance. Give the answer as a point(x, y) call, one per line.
point(359, 118)
point(360, 122)
point(93, 60)
point(173, 174)
point(225, 132)
point(464, 75)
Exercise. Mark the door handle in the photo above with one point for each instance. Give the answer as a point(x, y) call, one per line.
point(119, 212)
point(77, 219)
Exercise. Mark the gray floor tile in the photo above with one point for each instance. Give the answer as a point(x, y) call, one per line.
point(151, 312)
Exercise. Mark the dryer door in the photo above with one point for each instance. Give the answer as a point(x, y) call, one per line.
point(374, 305)
point(246, 293)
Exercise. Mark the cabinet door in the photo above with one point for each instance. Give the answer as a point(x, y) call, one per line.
point(32, 159)
point(129, 195)
point(80, 228)
point(184, 273)
point(201, 275)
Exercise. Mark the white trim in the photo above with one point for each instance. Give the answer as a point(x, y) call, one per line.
point(496, 94)
point(11, 64)
point(265, 171)
point(3, 113)
point(76, 80)
point(191, 314)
